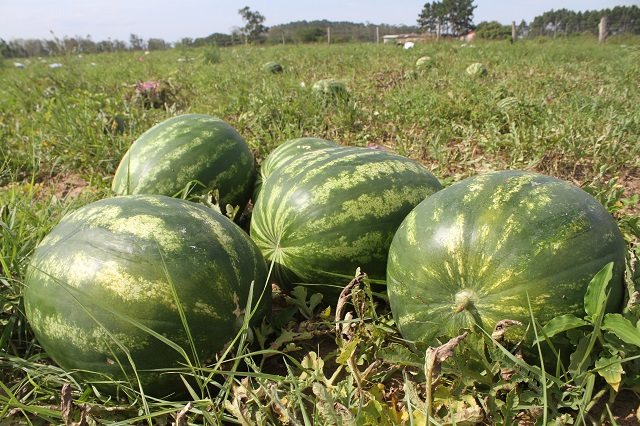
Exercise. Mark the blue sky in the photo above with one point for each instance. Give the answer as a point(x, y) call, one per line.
point(173, 20)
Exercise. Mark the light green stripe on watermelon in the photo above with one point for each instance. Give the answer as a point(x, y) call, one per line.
point(118, 258)
point(284, 153)
point(477, 70)
point(508, 103)
point(494, 240)
point(184, 149)
point(325, 214)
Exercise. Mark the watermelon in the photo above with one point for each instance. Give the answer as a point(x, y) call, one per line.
point(114, 269)
point(285, 152)
point(477, 70)
point(330, 87)
point(324, 214)
point(477, 251)
point(424, 62)
point(272, 67)
point(507, 104)
point(186, 149)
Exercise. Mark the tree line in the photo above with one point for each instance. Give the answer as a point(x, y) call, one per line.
point(455, 17)
point(20, 48)
point(341, 31)
point(448, 17)
point(621, 19)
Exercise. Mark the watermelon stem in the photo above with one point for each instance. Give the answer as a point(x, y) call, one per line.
point(465, 299)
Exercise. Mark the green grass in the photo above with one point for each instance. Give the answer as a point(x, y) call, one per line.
point(576, 116)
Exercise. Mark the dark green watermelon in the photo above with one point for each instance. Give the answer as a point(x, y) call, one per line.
point(192, 148)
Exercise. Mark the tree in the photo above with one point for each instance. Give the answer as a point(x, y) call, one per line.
point(253, 30)
point(310, 35)
point(5, 51)
point(453, 17)
point(523, 29)
point(137, 43)
point(156, 44)
point(461, 16)
point(427, 19)
point(493, 31)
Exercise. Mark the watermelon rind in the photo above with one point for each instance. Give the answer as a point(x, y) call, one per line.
point(284, 153)
point(106, 282)
point(323, 215)
point(196, 150)
point(481, 250)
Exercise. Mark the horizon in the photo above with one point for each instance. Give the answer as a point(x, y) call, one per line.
point(117, 20)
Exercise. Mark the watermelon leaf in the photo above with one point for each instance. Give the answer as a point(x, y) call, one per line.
point(622, 327)
point(595, 298)
point(559, 324)
point(611, 370)
point(299, 300)
point(400, 355)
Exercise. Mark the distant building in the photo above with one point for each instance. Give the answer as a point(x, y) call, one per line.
point(404, 38)
point(469, 36)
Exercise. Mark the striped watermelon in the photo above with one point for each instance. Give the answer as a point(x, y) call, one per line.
point(189, 148)
point(507, 104)
point(331, 87)
point(477, 70)
point(110, 269)
point(474, 252)
point(272, 67)
point(285, 152)
point(324, 214)
point(424, 62)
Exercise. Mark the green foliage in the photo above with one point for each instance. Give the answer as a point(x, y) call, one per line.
point(309, 35)
point(212, 54)
point(569, 108)
point(493, 31)
point(620, 19)
point(341, 31)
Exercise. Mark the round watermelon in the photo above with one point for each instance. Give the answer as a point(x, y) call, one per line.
point(272, 67)
point(331, 87)
point(322, 215)
point(477, 70)
point(107, 280)
point(196, 149)
point(477, 251)
point(424, 62)
point(285, 152)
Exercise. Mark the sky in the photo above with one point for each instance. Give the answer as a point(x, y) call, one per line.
point(173, 20)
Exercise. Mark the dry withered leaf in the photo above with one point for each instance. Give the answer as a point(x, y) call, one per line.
point(501, 328)
point(67, 408)
point(436, 356)
point(181, 417)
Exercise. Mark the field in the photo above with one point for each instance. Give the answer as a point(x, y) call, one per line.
point(568, 108)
